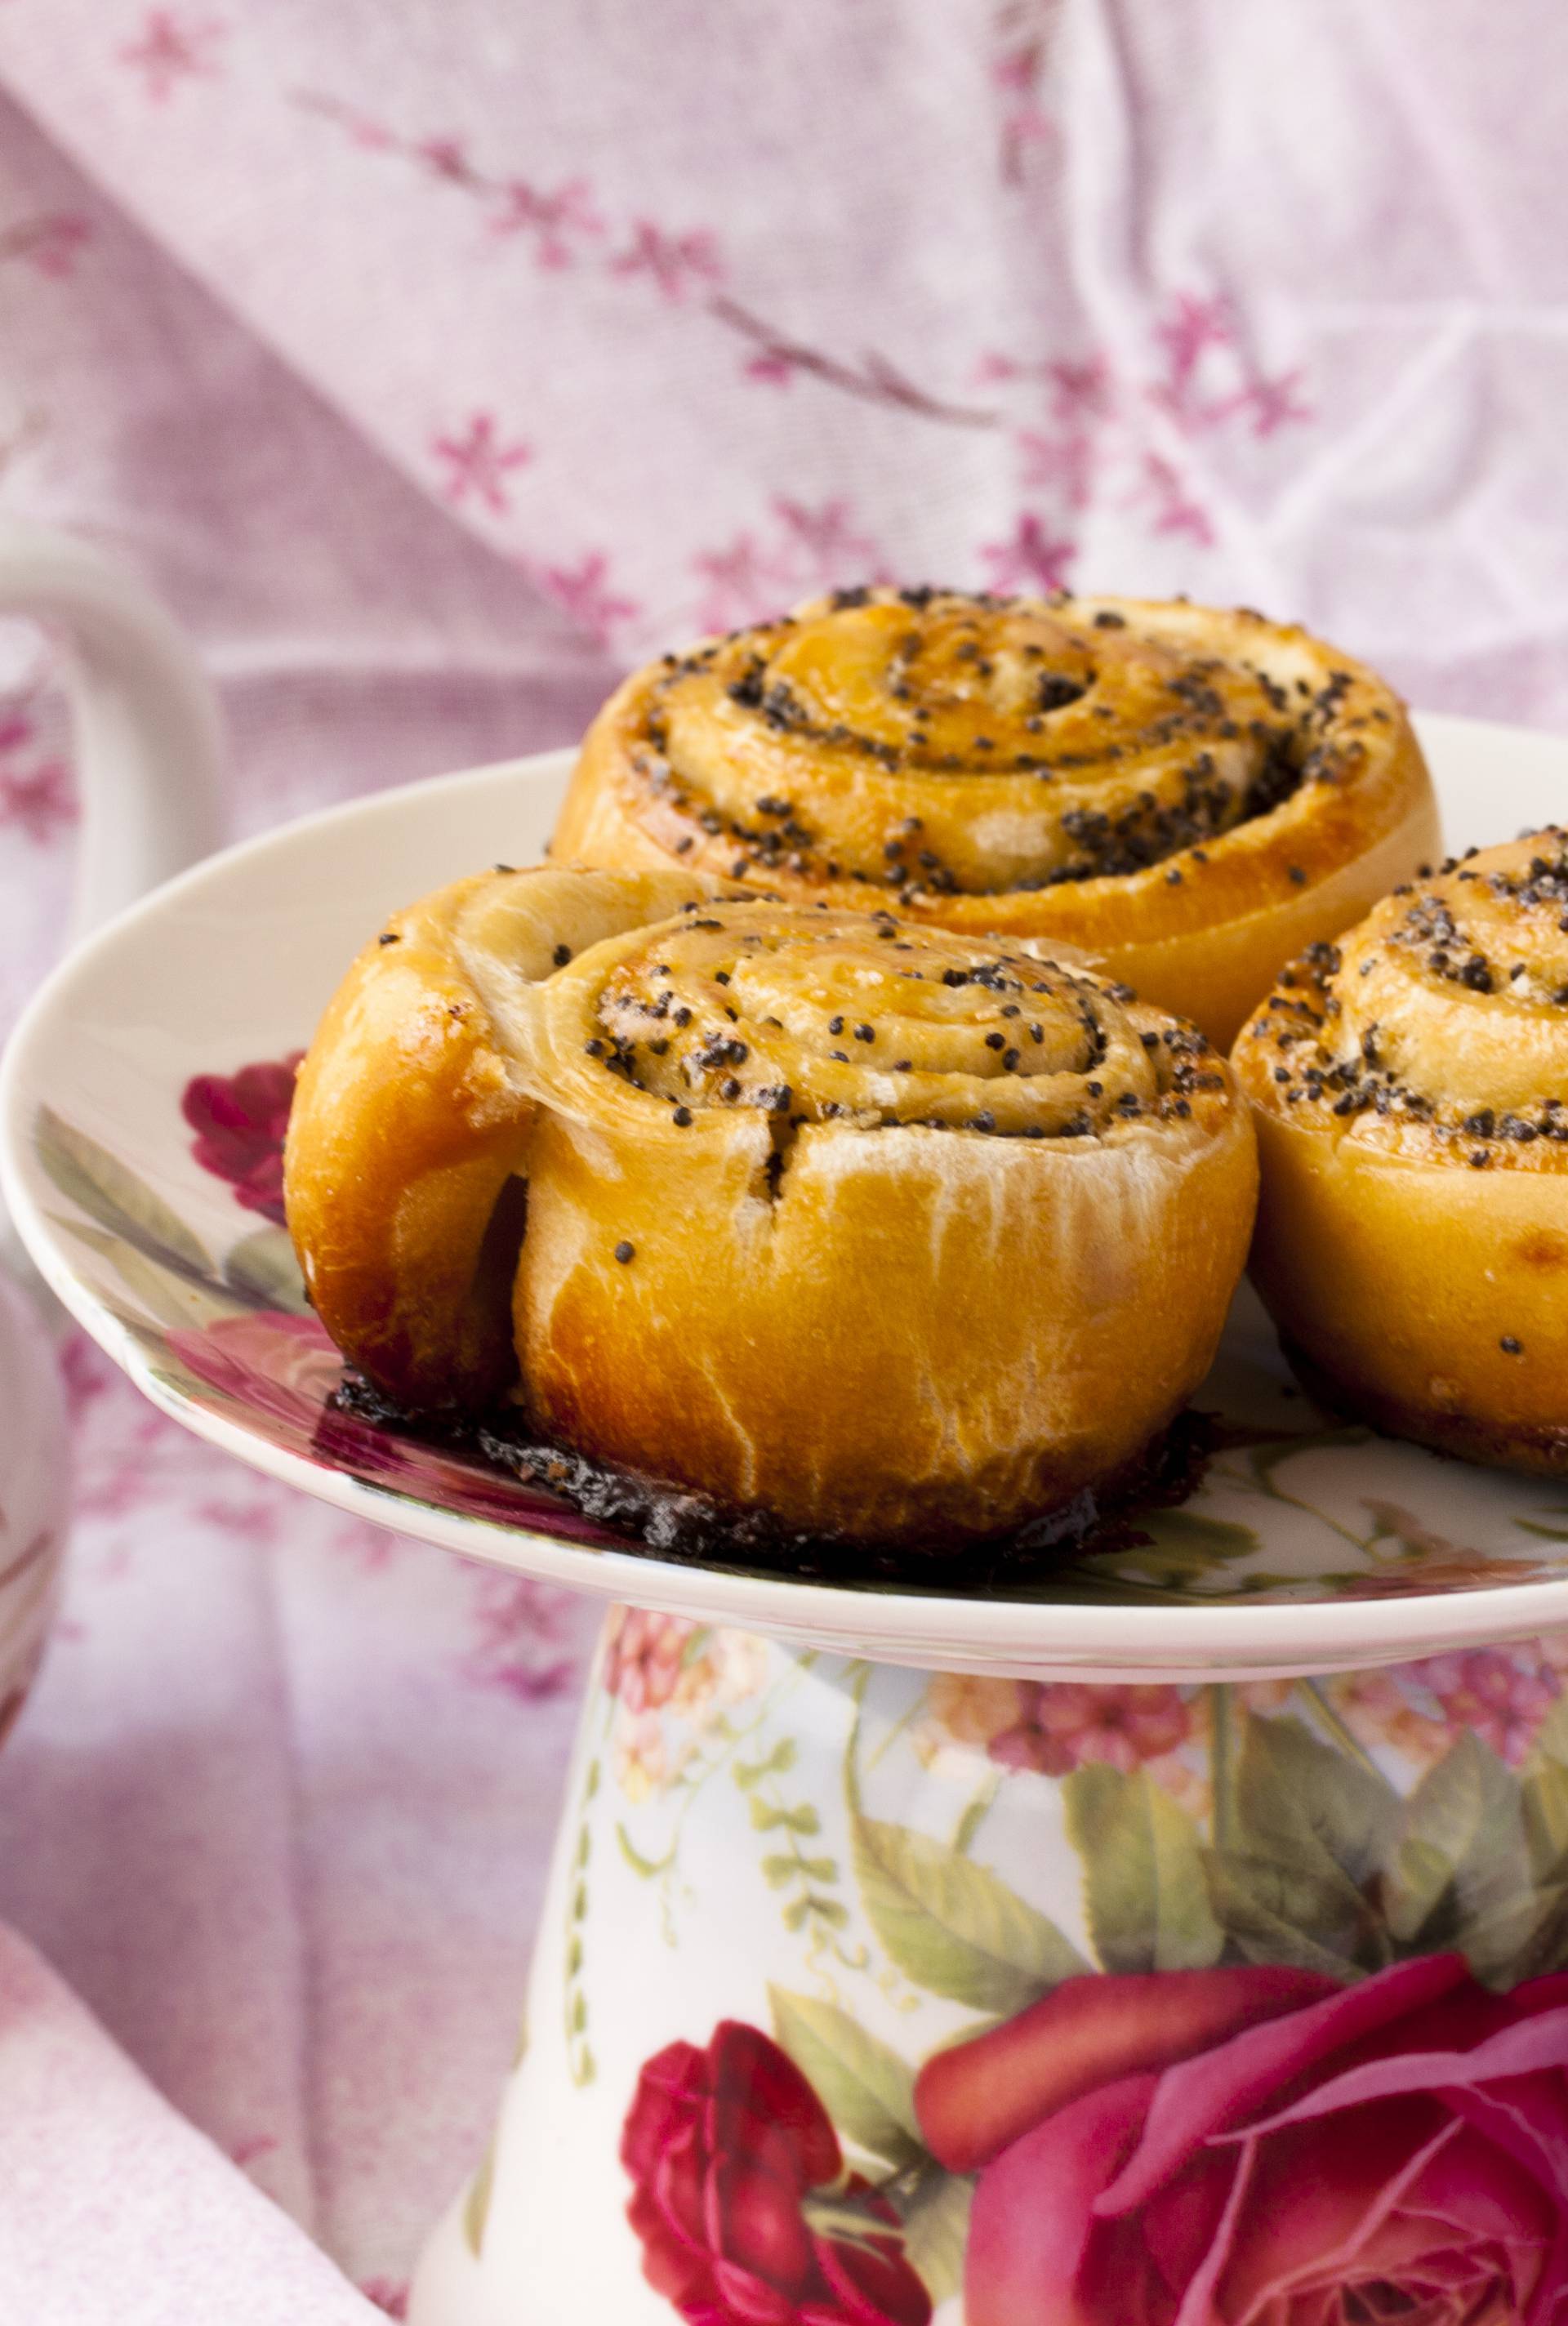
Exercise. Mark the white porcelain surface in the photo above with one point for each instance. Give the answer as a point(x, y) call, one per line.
point(979, 1917)
point(146, 746)
point(1370, 1551)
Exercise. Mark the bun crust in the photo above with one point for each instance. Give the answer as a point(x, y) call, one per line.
point(1410, 1089)
point(1192, 796)
point(889, 1233)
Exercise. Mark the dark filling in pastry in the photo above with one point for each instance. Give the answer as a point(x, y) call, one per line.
point(1190, 746)
point(696, 1530)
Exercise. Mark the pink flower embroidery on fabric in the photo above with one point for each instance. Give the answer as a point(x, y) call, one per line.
point(1066, 463)
point(678, 262)
point(370, 1549)
point(741, 585)
point(38, 802)
point(1033, 559)
point(50, 245)
point(554, 219)
point(1188, 328)
point(1173, 510)
point(1273, 403)
point(523, 1645)
point(827, 535)
point(776, 368)
point(445, 158)
point(86, 1373)
point(751, 579)
point(479, 461)
point(1016, 71)
point(252, 1522)
point(1076, 392)
point(1191, 331)
point(583, 593)
point(172, 48)
point(1080, 390)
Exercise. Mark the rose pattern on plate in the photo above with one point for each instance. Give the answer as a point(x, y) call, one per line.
point(239, 1121)
point(233, 1334)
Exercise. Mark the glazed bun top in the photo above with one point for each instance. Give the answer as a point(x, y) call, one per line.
point(1438, 1029)
point(940, 746)
point(815, 1016)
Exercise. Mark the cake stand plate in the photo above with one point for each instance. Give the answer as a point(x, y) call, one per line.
point(1184, 1934)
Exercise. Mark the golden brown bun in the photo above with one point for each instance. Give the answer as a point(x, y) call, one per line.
point(1192, 796)
point(881, 1231)
point(1411, 1093)
point(411, 1116)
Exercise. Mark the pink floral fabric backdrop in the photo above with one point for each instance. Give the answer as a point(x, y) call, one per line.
point(435, 362)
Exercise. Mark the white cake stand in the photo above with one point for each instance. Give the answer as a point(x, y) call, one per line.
point(914, 1954)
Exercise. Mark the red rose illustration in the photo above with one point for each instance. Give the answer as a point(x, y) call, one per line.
point(281, 1370)
point(1262, 2148)
point(724, 2145)
point(239, 1121)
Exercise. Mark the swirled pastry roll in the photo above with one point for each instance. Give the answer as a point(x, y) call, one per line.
point(1410, 1087)
point(1192, 796)
point(886, 1232)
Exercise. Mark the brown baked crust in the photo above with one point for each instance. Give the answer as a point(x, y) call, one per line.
point(891, 1233)
point(411, 1116)
point(1192, 796)
point(1410, 1089)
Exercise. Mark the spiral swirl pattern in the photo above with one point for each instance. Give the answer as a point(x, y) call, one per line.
point(819, 1017)
point(1410, 1091)
point(1130, 777)
point(876, 1231)
point(1440, 1028)
point(1000, 745)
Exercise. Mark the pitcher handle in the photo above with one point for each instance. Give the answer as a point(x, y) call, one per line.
point(144, 720)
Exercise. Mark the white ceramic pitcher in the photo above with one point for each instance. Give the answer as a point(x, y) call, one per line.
point(146, 745)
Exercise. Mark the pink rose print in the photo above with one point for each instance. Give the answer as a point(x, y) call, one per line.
point(172, 48)
point(726, 2146)
point(281, 1370)
point(644, 1656)
point(480, 460)
point(1252, 2146)
point(1024, 1725)
point(239, 1121)
point(1502, 1694)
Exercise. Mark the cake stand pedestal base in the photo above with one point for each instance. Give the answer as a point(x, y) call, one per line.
point(865, 1997)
